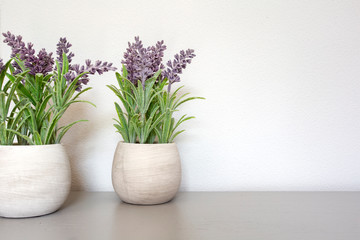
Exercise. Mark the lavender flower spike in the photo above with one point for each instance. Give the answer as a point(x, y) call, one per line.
point(42, 63)
point(1, 65)
point(141, 63)
point(176, 66)
point(75, 70)
point(17, 45)
point(63, 46)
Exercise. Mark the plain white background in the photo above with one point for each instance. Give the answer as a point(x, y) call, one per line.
point(281, 80)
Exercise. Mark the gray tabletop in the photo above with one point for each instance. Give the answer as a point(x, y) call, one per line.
point(198, 215)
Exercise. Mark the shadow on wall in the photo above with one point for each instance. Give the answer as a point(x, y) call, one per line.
point(75, 143)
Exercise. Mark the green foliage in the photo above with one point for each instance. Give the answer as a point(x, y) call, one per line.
point(11, 108)
point(169, 103)
point(148, 110)
point(140, 117)
point(39, 104)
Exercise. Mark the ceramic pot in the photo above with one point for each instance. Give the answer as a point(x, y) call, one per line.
point(34, 180)
point(146, 174)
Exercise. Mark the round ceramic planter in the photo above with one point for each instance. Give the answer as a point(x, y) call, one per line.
point(146, 174)
point(34, 180)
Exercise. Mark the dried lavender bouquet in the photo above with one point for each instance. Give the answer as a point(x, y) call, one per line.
point(145, 93)
point(36, 90)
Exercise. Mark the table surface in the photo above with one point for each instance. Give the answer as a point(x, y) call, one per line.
point(198, 215)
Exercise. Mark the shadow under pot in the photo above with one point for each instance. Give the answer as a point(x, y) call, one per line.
point(146, 174)
point(34, 180)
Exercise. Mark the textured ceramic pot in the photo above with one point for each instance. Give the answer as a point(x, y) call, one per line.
point(146, 174)
point(34, 180)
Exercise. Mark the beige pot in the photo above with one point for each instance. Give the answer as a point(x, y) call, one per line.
point(34, 180)
point(146, 174)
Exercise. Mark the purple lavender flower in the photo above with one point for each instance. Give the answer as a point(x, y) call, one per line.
point(99, 67)
point(44, 63)
point(176, 66)
point(1, 65)
point(140, 62)
point(63, 47)
point(158, 54)
point(19, 48)
point(75, 70)
point(16, 44)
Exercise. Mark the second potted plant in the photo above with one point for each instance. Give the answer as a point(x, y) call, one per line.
point(146, 168)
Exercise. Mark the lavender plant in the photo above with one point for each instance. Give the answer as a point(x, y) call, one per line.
point(148, 107)
point(46, 89)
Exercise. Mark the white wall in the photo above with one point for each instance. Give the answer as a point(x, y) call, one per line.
point(281, 80)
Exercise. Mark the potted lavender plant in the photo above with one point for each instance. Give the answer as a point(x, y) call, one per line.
point(35, 92)
point(146, 167)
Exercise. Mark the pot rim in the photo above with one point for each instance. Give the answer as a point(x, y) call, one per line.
point(147, 144)
point(31, 146)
